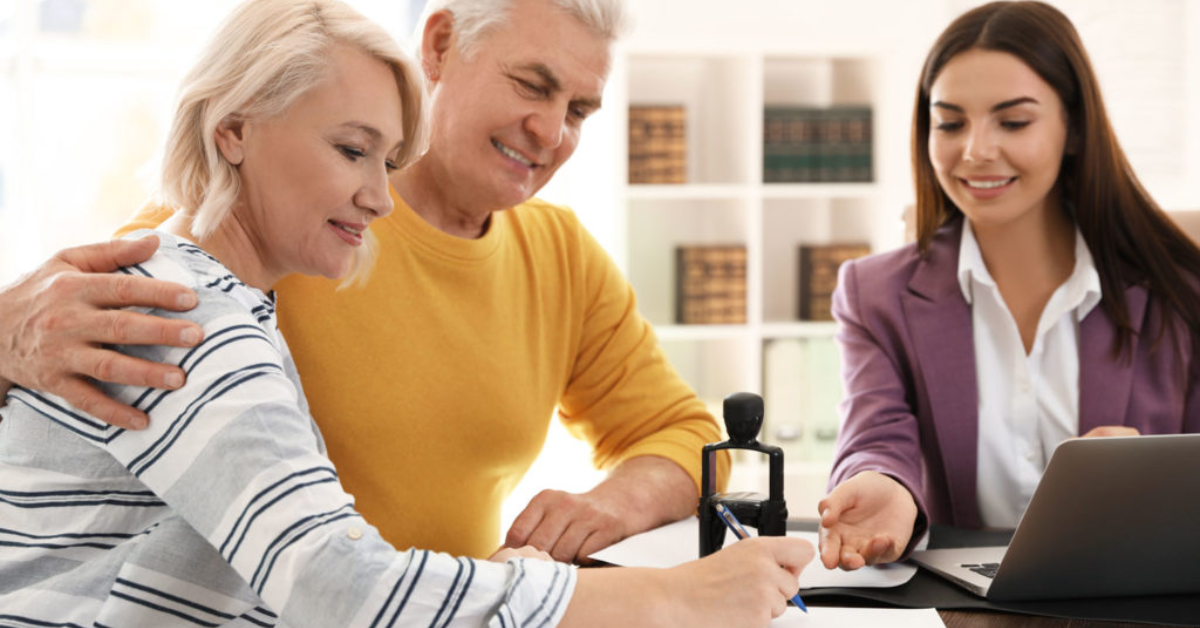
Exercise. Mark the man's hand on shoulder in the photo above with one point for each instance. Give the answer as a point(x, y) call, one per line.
point(639, 494)
point(56, 321)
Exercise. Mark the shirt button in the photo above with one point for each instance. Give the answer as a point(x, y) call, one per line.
point(1030, 455)
point(354, 533)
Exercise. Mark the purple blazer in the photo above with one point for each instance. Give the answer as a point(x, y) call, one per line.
point(908, 367)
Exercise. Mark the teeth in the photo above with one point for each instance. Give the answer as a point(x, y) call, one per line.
point(512, 153)
point(987, 185)
point(346, 229)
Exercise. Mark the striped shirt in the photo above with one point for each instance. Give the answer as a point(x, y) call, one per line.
point(225, 511)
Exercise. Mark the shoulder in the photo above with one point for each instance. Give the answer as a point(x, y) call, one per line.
point(547, 226)
point(881, 273)
point(221, 294)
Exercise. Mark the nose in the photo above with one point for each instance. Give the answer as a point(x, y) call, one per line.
point(548, 124)
point(374, 195)
point(981, 144)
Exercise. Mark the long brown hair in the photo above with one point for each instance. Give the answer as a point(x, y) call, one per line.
point(1129, 236)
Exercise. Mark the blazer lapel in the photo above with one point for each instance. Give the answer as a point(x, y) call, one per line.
point(1105, 383)
point(939, 324)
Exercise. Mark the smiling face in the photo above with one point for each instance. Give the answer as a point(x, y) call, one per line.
point(997, 137)
point(314, 177)
point(509, 114)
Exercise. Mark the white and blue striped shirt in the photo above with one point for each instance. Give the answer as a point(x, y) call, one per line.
point(225, 511)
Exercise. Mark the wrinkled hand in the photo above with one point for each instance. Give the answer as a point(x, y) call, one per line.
point(505, 553)
point(569, 526)
point(746, 584)
point(865, 520)
point(1105, 431)
point(55, 321)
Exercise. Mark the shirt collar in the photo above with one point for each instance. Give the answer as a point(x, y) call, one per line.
point(1082, 288)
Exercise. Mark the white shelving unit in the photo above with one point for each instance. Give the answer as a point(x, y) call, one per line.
point(725, 201)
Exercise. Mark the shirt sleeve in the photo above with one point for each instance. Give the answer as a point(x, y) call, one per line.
point(623, 397)
point(879, 431)
point(235, 457)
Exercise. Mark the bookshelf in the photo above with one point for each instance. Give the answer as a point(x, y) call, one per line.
point(792, 362)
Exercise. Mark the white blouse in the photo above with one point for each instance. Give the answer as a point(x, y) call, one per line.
point(1028, 404)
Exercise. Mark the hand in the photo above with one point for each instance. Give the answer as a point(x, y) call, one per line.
point(55, 321)
point(866, 520)
point(641, 493)
point(505, 553)
point(567, 525)
point(746, 584)
point(1111, 430)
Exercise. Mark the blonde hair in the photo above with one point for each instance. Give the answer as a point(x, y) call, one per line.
point(473, 18)
point(266, 55)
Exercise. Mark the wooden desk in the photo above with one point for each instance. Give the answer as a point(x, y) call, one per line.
point(989, 619)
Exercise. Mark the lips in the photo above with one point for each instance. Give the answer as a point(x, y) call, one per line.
point(514, 155)
point(350, 233)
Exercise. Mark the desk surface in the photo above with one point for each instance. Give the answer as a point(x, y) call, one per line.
point(990, 619)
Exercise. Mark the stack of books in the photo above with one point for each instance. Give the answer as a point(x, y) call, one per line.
point(817, 145)
point(818, 276)
point(657, 144)
point(710, 285)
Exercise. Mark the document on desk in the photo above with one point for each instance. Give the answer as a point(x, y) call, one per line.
point(677, 543)
point(832, 617)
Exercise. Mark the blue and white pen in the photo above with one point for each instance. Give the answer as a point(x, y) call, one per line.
point(736, 526)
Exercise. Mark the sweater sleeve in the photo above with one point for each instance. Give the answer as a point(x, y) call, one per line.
point(234, 456)
point(623, 397)
point(879, 430)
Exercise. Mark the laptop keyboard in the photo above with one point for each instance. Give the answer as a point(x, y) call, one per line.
point(987, 570)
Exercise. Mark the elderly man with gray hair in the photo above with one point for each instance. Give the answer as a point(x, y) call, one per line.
point(434, 383)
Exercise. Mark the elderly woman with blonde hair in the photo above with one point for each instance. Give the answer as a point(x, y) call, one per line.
point(226, 511)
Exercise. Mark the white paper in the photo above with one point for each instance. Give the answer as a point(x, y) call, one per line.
point(832, 617)
point(679, 542)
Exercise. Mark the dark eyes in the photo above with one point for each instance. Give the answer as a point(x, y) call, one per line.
point(532, 88)
point(354, 154)
point(1011, 125)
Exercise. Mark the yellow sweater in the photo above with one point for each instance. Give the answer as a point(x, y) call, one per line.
point(434, 384)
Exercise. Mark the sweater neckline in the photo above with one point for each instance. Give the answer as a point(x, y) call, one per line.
point(412, 227)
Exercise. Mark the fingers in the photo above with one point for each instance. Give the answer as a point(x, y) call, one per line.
point(121, 290)
point(569, 545)
point(118, 368)
point(831, 546)
point(880, 549)
point(525, 523)
point(1105, 431)
point(108, 256)
point(122, 327)
point(89, 399)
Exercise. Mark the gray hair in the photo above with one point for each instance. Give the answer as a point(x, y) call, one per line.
point(472, 18)
point(265, 56)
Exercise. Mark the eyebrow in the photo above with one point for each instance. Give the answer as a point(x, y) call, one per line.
point(1004, 105)
point(553, 84)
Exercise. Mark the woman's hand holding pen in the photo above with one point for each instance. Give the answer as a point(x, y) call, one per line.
point(747, 584)
point(865, 520)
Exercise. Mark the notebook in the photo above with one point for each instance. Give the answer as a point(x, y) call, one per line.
point(1110, 517)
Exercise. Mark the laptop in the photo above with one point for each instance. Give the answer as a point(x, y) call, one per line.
point(1110, 517)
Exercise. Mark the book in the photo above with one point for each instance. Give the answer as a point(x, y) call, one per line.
point(710, 284)
point(817, 145)
point(657, 144)
point(818, 271)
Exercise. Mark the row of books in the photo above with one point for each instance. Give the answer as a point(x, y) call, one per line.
point(817, 145)
point(710, 281)
point(800, 144)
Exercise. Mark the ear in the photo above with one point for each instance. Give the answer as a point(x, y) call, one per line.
point(437, 42)
point(231, 141)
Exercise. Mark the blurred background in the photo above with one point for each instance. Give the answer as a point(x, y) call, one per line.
point(86, 89)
